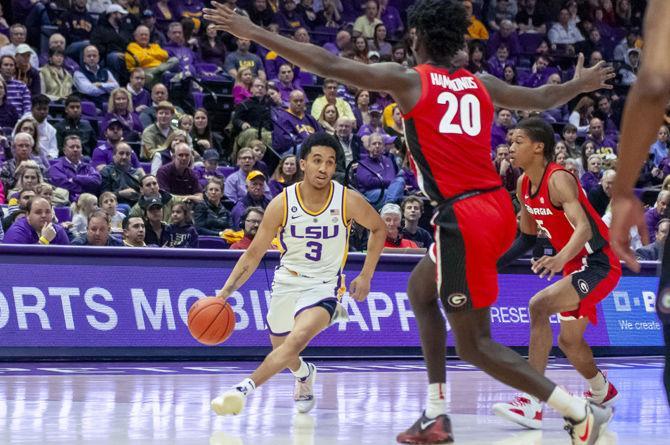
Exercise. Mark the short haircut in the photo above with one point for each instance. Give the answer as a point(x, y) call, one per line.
point(72, 99)
point(569, 127)
point(409, 199)
point(320, 138)
point(40, 100)
point(215, 180)
point(100, 214)
point(29, 206)
point(106, 195)
point(126, 221)
point(70, 137)
point(329, 81)
point(145, 177)
point(538, 130)
point(249, 210)
point(122, 143)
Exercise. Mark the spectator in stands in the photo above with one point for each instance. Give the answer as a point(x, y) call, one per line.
point(628, 71)
point(342, 43)
point(595, 58)
point(243, 58)
point(260, 13)
point(294, 125)
point(600, 196)
point(253, 117)
point(591, 177)
point(476, 63)
point(362, 108)
point(392, 214)
point(92, 81)
point(412, 210)
point(659, 149)
point(98, 232)
point(8, 114)
point(150, 56)
point(476, 30)
point(569, 135)
point(361, 49)
point(84, 207)
point(508, 173)
point(120, 108)
point(17, 92)
point(351, 144)
point(133, 231)
point(25, 73)
point(378, 176)
point(57, 82)
point(582, 114)
point(498, 62)
point(236, 187)
point(57, 43)
point(149, 189)
point(330, 16)
point(209, 169)
point(73, 124)
point(540, 72)
point(165, 154)
point(108, 203)
point(654, 250)
point(26, 177)
point(140, 96)
point(24, 197)
point(330, 97)
point(37, 227)
point(564, 32)
point(286, 83)
point(202, 135)
point(306, 9)
point(289, 17)
point(212, 48)
point(22, 147)
point(501, 126)
point(659, 211)
point(594, 43)
point(328, 118)
point(255, 197)
point(155, 136)
point(211, 216)
point(627, 43)
point(181, 233)
point(610, 118)
point(603, 143)
point(77, 23)
point(178, 49)
point(159, 93)
point(29, 125)
point(252, 217)
point(103, 154)
point(365, 24)
point(72, 173)
point(500, 10)
point(120, 177)
point(285, 174)
point(531, 18)
point(391, 18)
point(17, 36)
point(378, 42)
point(242, 86)
point(178, 177)
point(155, 227)
point(506, 35)
point(111, 36)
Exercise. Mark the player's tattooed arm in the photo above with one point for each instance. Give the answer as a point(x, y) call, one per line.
point(250, 259)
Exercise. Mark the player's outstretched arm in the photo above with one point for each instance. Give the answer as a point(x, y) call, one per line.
point(248, 262)
point(528, 236)
point(643, 115)
point(564, 192)
point(549, 96)
point(360, 210)
point(401, 82)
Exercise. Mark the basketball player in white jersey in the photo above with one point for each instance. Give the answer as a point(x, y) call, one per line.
point(312, 220)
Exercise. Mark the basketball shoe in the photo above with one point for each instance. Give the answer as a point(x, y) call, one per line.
point(304, 391)
point(608, 398)
point(523, 410)
point(591, 427)
point(230, 402)
point(428, 431)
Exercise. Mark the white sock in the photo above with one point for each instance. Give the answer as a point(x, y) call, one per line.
point(303, 370)
point(569, 406)
point(598, 384)
point(246, 386)
point(437, 403)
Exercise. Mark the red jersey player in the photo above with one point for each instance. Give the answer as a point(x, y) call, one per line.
point(554, 202)
point(448, 114)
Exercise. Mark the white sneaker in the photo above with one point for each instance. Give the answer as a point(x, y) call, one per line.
point(592, 426)
point(304, 391)
point(230, 402)
point(524, 410)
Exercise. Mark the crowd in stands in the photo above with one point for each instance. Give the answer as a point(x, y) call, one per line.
point(135, 122)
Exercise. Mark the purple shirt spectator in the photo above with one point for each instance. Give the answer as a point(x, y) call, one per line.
point(8, 115)
point(170, 180)
point(652, 218)
point(184, 54)
point(204, 175)
point(391, 18)
point(130, 123)
point(242, 204)
point(590, 181)
point(236, 186)
point(497, 66)
point(19, 96)
point(285, 90)
point(375, 173)
point(21, 232)
point(290, 130)
point(104, 154)
point(604, 146)
point(140, 98)
point(512, 42)
point(77, 179)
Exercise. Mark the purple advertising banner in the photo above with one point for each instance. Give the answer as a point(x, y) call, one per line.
point(92, 300)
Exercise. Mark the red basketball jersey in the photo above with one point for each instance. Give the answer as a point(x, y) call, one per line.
point(448, 133)
point(553, 221)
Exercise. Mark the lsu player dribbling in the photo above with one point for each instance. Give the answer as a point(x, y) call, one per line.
point(312, 220)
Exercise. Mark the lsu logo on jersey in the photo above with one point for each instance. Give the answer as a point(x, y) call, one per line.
point(315, 232)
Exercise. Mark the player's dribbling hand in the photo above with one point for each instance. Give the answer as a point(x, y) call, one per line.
point(595, 77)
point(627, 212)
point(228, 20)
point(359, 288)
point(551, 265)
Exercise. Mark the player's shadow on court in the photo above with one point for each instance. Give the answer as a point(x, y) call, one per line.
point(302, 433)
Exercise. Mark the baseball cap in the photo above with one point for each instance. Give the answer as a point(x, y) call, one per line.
point(253, 174)
point(390, 208)
point(375, 109)
point(372, 54)
point(147, 13)
point(113, 121)
point(115, 8)
point(210, 155)
point(23, 48)
point(152, 202)
point(388, 139)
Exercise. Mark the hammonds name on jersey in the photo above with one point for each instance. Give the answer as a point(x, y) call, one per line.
point(314, 244)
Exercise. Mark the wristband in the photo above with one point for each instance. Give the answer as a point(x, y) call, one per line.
point(43, 240)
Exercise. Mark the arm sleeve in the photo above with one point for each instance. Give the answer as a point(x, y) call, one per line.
point(520, 246)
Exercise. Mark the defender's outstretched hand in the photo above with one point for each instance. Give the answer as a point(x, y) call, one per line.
point(595, 77)
point(228, 20)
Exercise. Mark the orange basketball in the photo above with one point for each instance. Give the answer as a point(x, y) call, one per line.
point(211, 321)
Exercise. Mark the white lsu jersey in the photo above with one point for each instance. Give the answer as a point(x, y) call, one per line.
point(314, 245)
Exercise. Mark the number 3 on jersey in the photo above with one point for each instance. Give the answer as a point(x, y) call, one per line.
point(470, 114)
